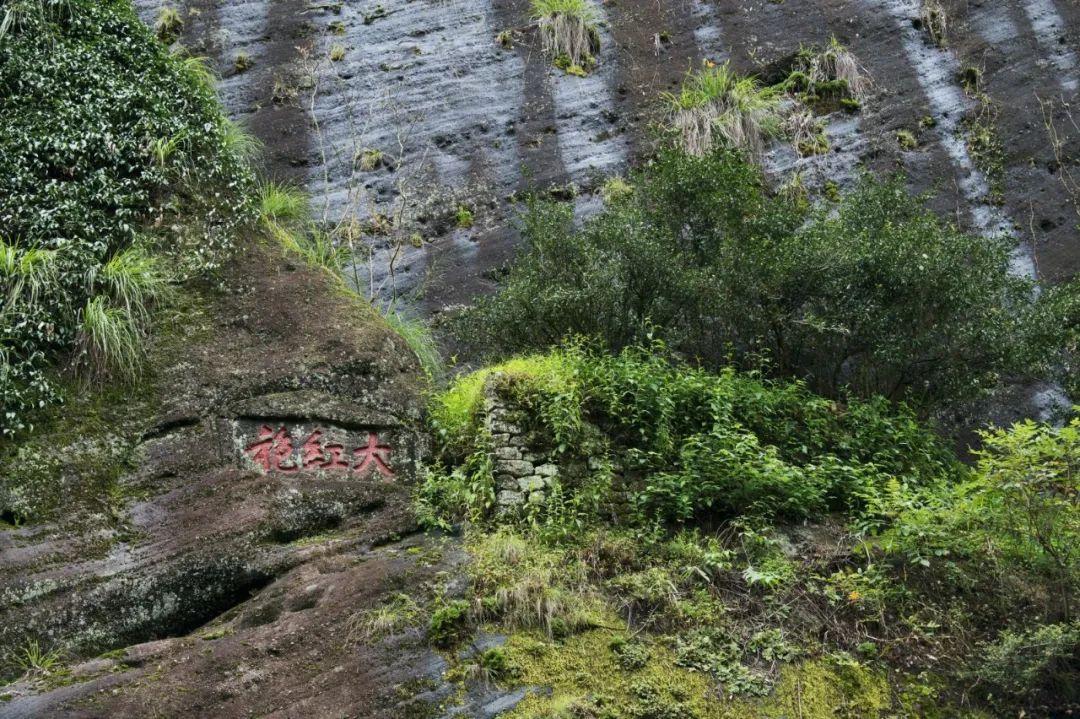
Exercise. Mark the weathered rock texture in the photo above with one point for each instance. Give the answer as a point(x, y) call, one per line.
point(466, 114)
point(195, 519)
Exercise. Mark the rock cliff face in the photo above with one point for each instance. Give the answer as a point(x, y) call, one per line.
point(462, 109)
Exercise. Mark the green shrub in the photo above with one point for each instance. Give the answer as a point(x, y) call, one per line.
point(879, 298)
point(449, 623)
point(1035, 664)
point(103, 136)
point(705, 444)
point(1011, 531)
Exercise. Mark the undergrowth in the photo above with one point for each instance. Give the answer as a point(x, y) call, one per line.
point(99, 196)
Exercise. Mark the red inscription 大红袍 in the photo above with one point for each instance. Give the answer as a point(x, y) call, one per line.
point(274, 451)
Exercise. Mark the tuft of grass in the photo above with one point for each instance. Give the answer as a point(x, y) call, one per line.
point(109, 341)
point(805, 132)
point(33, 658)
point(525, 585)
point(169, 24)
point(337, 53)
point(568, 31)
point(283, 212)
point(370, 158)
point(201, 74)
point(835, 68)
point(25, 274)
point(393, 617)
point(239, 142)
point(906, 140)
point(243, 62)
point(935, 21)
point(418, 337)
point(718, 101)
point(282, 203)
point(164, 149)
point(136, 280)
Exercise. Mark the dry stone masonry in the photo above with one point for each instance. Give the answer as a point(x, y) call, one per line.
point(523, 474)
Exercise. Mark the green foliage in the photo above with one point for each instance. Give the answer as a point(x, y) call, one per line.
point(169, 23)
point(464, 217)
point(108, 338)
point(285, 216)
point(417, 336)
point(527, 585)
point(491, 666)
point(1012, 529)
point(103, 135)
point(449, 623)
point(1031, 665)
point(821, 74)
point(706, 444)
point(878, 297)
point(33, 658)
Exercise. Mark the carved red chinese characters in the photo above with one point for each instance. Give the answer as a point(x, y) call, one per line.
point(273, 451)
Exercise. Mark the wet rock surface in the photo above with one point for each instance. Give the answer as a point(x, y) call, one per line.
point(462, 104)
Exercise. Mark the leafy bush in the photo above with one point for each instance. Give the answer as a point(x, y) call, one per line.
point(704, 444)
point(449, 623)
point(1035, 664)
point(881, 297)
point(1012, 531)
point(107, 143)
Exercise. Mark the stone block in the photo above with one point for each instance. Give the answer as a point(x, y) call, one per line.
point(507, 453)
point(547, 470)
point(500, 426)
point(516, 467)
point(508, 498)
point(529, 484)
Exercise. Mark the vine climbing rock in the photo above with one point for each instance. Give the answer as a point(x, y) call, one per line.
point(259, 481)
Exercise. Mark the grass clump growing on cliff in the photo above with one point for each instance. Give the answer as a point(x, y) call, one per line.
point(935, 20)
point(830, 77)
point(568, 32)
point(716, 106)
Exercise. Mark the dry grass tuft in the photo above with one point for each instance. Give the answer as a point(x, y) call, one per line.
point(716, 104)
point(568, 30)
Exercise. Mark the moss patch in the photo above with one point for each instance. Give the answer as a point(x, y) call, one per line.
point(587, 677)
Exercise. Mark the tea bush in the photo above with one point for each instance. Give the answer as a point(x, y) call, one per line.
point(107, 142)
